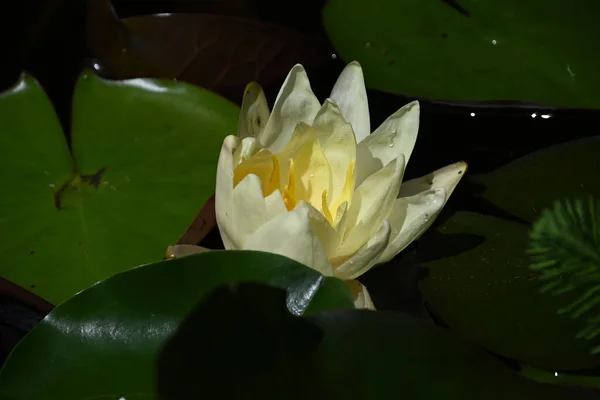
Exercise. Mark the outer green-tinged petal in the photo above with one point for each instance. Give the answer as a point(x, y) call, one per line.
point(249, 211)
point(295, 103)
point(350, 94)
point(224, 193)
point(371, 204)
point(364, 299)
point(367, 256)
point(254, 113)
point(247, 148)
point(410, 217)
point(446, 177)
point(396, 135)
point(182, 250)
point(291, 235)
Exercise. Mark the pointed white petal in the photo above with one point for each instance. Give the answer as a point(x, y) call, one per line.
point(371, 205)
point(350, 94)
point(446, 177)
point(249, 211)
point(328, 119)
point(274, 205)
point(224, 193)
point(362, 299)
point(295, 103)
point(396, 135)
point(291, 235)
point(410, 217)
point(367, 256)
point(247, 148)
point(254, 113)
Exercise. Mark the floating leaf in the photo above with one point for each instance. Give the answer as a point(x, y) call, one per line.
point(142, 162)
point(161, 340)
point(532, 183)
point(534, 51)
point(489, 295)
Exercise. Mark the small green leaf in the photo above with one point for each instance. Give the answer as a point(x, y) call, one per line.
point(473, 50)
point(142, 163)
point(489, 295)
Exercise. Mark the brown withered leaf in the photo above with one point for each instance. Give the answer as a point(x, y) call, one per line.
point(15, 292)
point(204, 222)
point(220, 53)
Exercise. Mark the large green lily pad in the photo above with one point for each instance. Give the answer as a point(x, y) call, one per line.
point(532, 51)
point(158, 332)
point(142, 163)
point(489, 295)
point(105, 339)
point(529, 185)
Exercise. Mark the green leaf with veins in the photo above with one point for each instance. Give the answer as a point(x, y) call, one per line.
point(141, 164)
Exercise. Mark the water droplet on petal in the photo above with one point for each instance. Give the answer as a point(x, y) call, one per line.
point(391, 142)
point(311, 175)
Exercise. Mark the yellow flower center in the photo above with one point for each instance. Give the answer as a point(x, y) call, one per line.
point(313, 167)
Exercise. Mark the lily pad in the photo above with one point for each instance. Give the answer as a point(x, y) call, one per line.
point(527, 186)
point(489, 295)
point(141, 162)
point(471, 50)
point(181, 335)
point(114, 330)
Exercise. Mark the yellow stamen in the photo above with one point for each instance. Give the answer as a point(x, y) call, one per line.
point(348, 189)
point(289, 191)
point(325, 207)
point(273, 182)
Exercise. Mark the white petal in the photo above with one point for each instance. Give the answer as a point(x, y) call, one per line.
point(363, 301)
point(254, 113)
point(274, 205)
point(329, 118)
point(224, 193)
point(291, 235)
point(410, 217)
point(371, 205)
point(340, 152)
point(182, 250)
point(350, 94)
point(367, 256)
point(295, 103)
point(249, 211)
point(328, 236)
point(446, 177)
point(247, 148)
point(396, 135)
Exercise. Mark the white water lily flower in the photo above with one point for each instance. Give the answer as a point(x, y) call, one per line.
point(309, 182)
